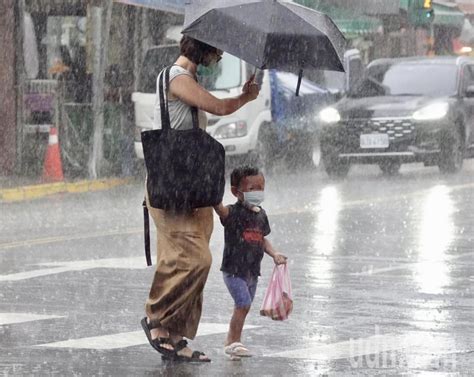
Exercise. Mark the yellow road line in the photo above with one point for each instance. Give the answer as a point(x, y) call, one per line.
point(46, 240)
point(42, 190)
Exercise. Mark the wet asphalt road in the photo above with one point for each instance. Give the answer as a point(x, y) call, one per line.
point(382, 272)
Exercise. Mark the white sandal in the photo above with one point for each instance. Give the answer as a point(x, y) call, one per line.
point(237, 349)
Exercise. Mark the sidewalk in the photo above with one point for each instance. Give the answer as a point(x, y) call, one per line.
point(15, 188)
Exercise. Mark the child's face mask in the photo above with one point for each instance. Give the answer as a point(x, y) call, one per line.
point(254, 198)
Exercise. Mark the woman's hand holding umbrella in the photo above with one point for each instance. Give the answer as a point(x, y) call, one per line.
point(251, 88)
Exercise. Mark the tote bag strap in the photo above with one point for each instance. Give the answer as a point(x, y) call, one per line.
point(163, 89)
point(146, 226)
point(194, 113)
point(164, 82)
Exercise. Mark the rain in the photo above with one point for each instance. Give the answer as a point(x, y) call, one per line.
point(359, 117)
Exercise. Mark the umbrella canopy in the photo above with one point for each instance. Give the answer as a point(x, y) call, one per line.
point(268, 33)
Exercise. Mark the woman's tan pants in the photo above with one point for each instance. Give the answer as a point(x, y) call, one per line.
point(184, 260)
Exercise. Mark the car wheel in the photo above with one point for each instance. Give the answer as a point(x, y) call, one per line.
point(451, 156)
point(335, 167)
point(390, 167)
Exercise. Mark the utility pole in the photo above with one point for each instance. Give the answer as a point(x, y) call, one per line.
point(138, 44)
point(101, 15)
point(127, 73)
point(20, 82)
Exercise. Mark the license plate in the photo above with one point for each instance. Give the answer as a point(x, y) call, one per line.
point(374, 141)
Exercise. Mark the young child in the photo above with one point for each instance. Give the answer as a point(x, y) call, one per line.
point(245, 228)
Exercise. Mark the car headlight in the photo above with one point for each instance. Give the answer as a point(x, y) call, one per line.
point(231, 130)
point(329, 115)
point(433, 111)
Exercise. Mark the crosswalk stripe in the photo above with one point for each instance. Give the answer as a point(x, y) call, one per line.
point(12, 318)
point(375, 344)
point(410, 266)
point(129, 339)
point(60, 267)
point(420, 342)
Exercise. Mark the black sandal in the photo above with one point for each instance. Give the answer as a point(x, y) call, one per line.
point(195, 357)
point(158, 343)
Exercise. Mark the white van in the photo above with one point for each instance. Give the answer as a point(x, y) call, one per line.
point(257, 132)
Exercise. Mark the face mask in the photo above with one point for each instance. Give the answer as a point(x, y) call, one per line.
point(206, 71)
point(254, 198)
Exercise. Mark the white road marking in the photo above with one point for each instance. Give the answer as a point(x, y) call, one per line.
point(125, 263)
point(419, 342)
point(12, 318)
point(408, 265)
point(139, 263)
point(423, 342)
point(60, 267)
point(129, 339)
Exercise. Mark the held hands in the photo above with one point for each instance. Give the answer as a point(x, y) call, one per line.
point(251, 88)
point(279, 259)
point(221, 210)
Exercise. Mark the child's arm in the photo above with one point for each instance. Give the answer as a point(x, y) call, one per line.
point(277, 257)
point(222, 210)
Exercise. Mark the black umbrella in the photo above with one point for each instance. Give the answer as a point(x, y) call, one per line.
point(268, 33)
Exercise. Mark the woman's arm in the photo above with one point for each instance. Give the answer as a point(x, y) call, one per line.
point(277, 257)
point(222, 211)
point(190, 92)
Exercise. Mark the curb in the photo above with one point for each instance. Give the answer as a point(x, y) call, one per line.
point(40, 191)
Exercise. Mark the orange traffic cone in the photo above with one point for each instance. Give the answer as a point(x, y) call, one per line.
point(53, 169)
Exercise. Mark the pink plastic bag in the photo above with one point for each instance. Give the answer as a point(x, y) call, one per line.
point(278, 302)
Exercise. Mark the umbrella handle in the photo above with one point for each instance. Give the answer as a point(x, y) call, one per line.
point(254, 74)
point(298, 85)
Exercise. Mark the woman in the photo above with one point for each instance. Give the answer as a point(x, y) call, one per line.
point(175, 302)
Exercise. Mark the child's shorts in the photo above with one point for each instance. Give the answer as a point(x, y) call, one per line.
point(242, 289)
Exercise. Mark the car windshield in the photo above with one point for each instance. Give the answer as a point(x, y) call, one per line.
point(226, 75)
point(405, 79)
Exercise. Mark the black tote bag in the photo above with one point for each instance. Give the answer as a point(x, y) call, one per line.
point(185, 169)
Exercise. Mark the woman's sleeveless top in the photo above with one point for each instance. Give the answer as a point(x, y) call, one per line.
point(180, 112)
